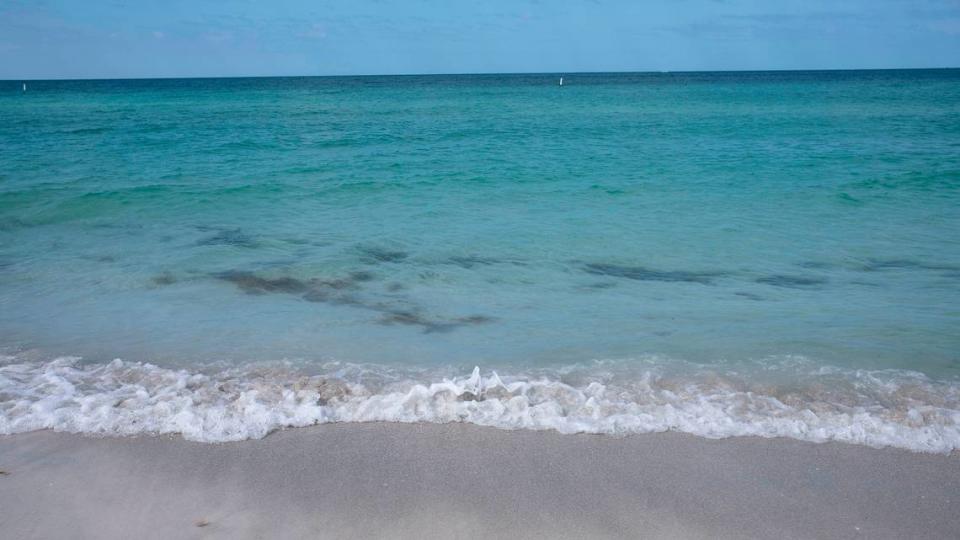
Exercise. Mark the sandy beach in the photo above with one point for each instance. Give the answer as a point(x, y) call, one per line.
point(461, 481)
point(479, 270)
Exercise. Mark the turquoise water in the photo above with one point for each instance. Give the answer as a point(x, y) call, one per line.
point(771, 253)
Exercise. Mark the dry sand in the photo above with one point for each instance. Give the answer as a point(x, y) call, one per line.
point(463, 481)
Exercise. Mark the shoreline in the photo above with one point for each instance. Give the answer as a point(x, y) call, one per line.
point(389, 480)
point(880, 408)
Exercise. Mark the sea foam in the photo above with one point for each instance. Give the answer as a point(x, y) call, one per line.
point(876, 408)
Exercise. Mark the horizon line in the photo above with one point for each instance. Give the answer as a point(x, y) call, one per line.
point(491, 73)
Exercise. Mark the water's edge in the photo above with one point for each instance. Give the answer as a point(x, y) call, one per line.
point(798, 399)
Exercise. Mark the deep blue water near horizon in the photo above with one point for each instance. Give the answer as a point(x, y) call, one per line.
point(718, 253)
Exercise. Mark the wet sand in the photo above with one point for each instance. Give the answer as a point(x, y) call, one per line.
point(462, 481)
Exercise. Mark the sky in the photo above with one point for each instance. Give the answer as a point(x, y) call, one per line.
point(196, 38)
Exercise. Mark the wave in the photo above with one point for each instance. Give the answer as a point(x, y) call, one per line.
point(785, 398)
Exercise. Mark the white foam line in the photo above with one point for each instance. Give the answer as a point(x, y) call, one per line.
point(875, 408)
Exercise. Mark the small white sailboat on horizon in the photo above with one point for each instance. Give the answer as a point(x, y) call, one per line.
point(561, 81)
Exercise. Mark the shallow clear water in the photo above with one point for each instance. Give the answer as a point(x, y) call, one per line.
point(747, 248)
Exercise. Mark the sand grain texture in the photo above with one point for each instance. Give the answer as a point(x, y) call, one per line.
point(463, 481)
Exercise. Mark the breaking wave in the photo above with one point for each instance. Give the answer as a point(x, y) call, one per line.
point(786, 397)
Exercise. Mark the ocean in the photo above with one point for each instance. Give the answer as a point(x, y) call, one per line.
point(771, 254)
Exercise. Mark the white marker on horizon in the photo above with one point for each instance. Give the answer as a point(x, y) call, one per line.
point(561, 81)
point(24, 87)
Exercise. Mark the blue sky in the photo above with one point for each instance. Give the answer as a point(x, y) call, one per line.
point(170, 38)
